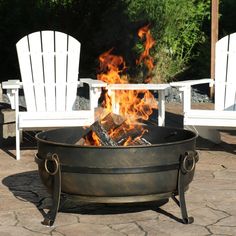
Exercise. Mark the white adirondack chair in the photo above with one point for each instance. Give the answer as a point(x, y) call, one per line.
point(49, 66)
point(208, 122)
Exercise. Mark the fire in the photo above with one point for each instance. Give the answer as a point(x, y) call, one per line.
point(134, 105)
point(111, 68)
point(92, 139)
point(149, 43)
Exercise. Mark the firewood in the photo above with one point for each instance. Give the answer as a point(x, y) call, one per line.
point(139, 141)
point(102, 127)
point(112, 121)
point(80, 142)
point(112, 130)
point(105, 125)
point(102, 134)
point(130, 137)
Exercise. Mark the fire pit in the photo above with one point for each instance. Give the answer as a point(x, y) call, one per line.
point(117, 174)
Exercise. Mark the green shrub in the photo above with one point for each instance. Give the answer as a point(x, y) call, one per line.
point(177, 28)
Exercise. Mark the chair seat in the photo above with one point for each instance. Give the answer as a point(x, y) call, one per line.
point(55, 119)
point(210, 118)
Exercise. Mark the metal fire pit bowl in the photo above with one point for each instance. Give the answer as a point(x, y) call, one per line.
point(120, 174)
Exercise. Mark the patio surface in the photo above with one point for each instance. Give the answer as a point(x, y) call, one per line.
point(211, 199)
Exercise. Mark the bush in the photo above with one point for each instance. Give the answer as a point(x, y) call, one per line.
point(177, 28)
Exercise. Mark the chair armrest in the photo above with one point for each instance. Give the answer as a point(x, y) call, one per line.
point(192, 82)
point(185, 88)
point(137, 86)
point(12, 87)
point(95, 89)
point(93, 83)
point(12, 84)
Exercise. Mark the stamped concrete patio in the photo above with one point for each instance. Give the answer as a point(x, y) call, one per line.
point(211, 199)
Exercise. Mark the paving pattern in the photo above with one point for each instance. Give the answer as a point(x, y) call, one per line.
point(211, 200)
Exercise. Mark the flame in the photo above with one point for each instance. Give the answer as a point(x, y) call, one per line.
point(128, 141)
point(149, 43)
point(107, 102)
point(134, 105)
point(111, 67)
point(92, 139)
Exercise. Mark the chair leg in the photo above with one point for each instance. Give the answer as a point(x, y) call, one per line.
point(161, 107)
point(17, 143)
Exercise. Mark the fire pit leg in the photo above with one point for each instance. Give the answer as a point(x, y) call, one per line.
point(182, 171)
point(50, 217)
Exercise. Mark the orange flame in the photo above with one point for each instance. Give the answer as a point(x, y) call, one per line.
point(133, 104)
point(92, 139)
point(111, 67)
point(149, 43)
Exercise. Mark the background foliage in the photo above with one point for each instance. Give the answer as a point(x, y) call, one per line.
point(181, 30)
point(177, 28)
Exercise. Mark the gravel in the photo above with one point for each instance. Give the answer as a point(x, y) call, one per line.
point(173, 95)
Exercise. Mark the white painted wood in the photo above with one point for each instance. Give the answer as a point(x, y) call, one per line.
point(210, 118)
point(11, 93)
point(161, 107)
point(72, 71)
point(230, 96)
point(138, 86)
point(93, 83)
point(49, 69)
point(37, 70)
point(12, 84)
point(94, 94)
point(184, 83)
point(187, 91)
point(221, 72)
point(94, 90)
point(12, 88)
point(61, 69)
point(17, 124)
point(55, 119)
point(26, 72)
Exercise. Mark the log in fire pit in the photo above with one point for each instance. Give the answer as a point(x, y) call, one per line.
point(117, 174)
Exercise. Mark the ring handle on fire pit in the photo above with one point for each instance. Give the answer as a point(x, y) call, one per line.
point(51, 158)
point(189, 161)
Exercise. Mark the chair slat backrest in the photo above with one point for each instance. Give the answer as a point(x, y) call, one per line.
point(49, 65)
point(225, 73)
point(230, 97)
point(49, 69)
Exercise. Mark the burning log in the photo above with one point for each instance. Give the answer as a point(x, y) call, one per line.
point(101, 129)
point(131, 137)
point(112, 130)
point(102, 134)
